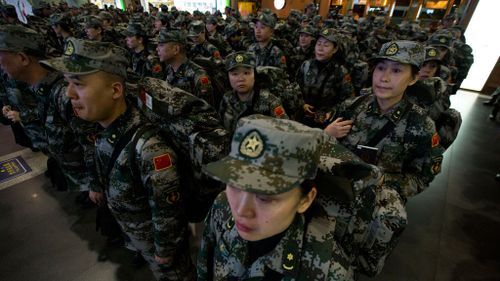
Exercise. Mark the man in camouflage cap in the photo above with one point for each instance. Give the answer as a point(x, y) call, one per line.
point(180, 71)
point(202, 47)
point(215, 37)
point(305, 48)
point(272, 165)
point(266, 51)
point(62, 26)
point(141, 185)
point(66, 135)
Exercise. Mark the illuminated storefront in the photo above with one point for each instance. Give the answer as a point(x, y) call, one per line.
point(190, 5)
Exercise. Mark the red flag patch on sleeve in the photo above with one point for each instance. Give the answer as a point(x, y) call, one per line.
point(435, 140)
point(217, 55)
point(157, 68)
point(162, 162)
point(347, 78)
point(204, 80)
point(283, 59)
point(279, 111)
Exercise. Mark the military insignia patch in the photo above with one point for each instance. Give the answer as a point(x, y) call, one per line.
point(70, 49)
point(347, 78)
point(432, 53)
point(392, 49)
point(442, 40)
point(325, 32)
point(217, 55)
point(157, 68)
point(436, 165)
point(173, 197)
point(283, 59)
point(279, 111)
point(435, 140)
point(162, 162)
point(204, 80)
point(238, 58)
point(252, 145)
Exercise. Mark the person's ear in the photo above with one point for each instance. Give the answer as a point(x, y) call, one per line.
point(306, 201)
point(25, 59)
point(117, 90)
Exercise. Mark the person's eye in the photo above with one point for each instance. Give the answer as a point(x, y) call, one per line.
point(264, 198)
point(397, 70)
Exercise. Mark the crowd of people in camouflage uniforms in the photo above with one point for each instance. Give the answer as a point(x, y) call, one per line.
point(319, 130)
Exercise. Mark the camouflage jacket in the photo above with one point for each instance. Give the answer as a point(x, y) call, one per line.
point(220, 42)
point(409, 155)
point(324, 85)
point(298, 57)
point(307, 251)
point(271, 55)
point(206, 50)
point(191, 78)
point(150, 210)
point(263, 102)
point(69, 138)
point(433, 96)
point(140, 63)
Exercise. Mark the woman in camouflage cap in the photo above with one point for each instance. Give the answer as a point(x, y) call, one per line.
point(246, 97)
point(385, 128)
point(266, 226)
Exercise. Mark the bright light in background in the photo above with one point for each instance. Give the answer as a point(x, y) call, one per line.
point(482, 36)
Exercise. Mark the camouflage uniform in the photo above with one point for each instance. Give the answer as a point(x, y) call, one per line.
point(299, 54)
point(142, 184)
point(141, 63)
point(271, 54)
point(262, 102)
point(307, 250)
point(409, 155)
point(205, 49)
point(67, 136)
point(217, 39)
point(189, 76)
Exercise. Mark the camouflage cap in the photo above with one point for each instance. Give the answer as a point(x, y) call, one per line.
point(432, 53)
point(56, 19)
point(164, 8)
point(409, 52)
point(164, 17)
point(105, 16)
point(308, 29)
point(329, 34)
point(231, 29)
point(245, 59)
point(134, 29)
point(440, 40)
point(196, 27)
point(93, 22)
point(266, 19)
point(17, 38)
point(212, 20)
point(177, 36)
point(8, 10)
point(269, 155)
point(85, 57)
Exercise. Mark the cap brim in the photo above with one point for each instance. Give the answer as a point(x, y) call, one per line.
point(242, 65)
point(376, 58)
point(248, 177)
point(68, 66)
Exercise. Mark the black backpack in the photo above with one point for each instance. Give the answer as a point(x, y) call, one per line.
point(218, 77)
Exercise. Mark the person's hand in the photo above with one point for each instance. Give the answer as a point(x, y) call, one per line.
point(97, 197)
point(13, 116)
point(338, 128)
point(308, 109)
point(6, 109)
point(160, 260)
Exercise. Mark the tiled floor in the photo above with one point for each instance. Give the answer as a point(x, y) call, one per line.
point(453, 232)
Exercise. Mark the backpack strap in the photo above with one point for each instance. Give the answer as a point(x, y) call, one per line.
point(388, 127)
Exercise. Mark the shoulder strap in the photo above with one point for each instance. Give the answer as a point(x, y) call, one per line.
point(388, 127)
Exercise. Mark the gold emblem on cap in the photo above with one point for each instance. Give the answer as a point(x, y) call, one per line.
point(239, 58)
point(70, 49)
point(432, 53)
point(442, 40)
point(252, 145)
point(392, 49)
point(325, 32)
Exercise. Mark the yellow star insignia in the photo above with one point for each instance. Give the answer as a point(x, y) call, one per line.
point(289, 257)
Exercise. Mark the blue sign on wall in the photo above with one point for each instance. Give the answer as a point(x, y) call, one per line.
point(13, 168)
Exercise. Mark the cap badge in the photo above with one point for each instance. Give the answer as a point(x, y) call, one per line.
point(442, 40)
point(70, 49)
point(392, 49)
point(325, 32)
point(238, 58)
point(252, 145)
point(432, 53)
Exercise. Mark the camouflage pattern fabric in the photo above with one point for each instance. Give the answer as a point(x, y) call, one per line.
point(149, 212)
point(324, 85)
point(263, 102)
point(270, 55)
point(17, 38)
point(141, 63)
point(207, 50)
point(410, 155)
point(191, 78)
